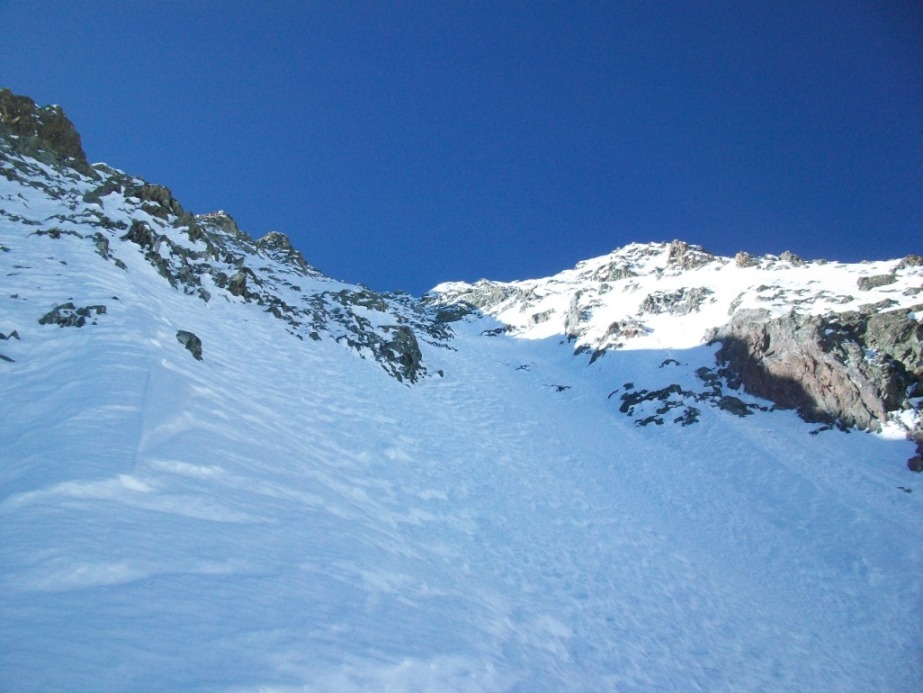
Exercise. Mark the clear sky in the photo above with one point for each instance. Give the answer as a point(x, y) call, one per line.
point(403, 144)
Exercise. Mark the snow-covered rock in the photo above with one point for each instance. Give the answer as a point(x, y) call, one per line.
point(663, 296)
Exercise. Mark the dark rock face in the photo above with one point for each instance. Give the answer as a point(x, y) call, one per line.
point(454, 312)
point(852, 368)
point(43, 133)
point(404, 354)
point(143, 235)
point(680, 405)
point(191, 342)
point(277, 245)
point(671, 397)
point(237, 284)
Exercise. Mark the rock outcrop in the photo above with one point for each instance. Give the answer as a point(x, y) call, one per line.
point(192, 342)
point(69, 315)
point(43, 133)
point(204, 256)
point(852, 368)
point(680, 302)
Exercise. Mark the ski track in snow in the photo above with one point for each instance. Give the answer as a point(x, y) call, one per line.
point(285, 516)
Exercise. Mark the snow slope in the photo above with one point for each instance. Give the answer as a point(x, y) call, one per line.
point(285, 515)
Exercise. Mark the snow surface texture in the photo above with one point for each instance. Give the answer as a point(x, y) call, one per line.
point(285, 515)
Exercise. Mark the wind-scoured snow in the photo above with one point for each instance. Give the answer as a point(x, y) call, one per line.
point(285, 515)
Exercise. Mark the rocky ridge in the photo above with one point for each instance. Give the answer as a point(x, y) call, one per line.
point(841, 343)
point(51, 193)
point(42, 133)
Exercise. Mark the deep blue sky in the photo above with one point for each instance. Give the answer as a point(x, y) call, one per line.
point(403, 144)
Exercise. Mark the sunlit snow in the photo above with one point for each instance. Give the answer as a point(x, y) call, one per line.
point(284, 515)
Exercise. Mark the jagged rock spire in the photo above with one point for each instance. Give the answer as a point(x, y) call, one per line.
point(42, 132)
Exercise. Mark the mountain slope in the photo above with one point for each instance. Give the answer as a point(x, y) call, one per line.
point(842, 343)
point(344, 511)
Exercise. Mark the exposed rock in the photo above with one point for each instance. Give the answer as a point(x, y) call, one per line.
point(278, 245)
point(614, 272)
point(575, 316)
point(791, 258)
point(363, 298)
point(44, 133)
point(55, 233)
point(115, 183)
point(626, 329)
point(68, 315)
point(744, 259)
point(404, 353)
point(156, 200)
point(681, 302)
point(734, 405)
point(144, 236)
point(12, 335)
point(484, 293)
point(689, 416)
point(218, 252)
point(910, 261)
point(670, 398)
point(237, 284)
point(102, 244)
point(453, 312)
point(538, 318)
point(191, 342)
point(873, 282)
point(852, 368)
point(681, 254)
point(651, 406)
point(223, 221)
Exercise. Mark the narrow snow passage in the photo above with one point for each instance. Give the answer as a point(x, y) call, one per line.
point(303, 520)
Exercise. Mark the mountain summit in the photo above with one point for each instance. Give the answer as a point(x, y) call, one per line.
point(223, 470)
point(841, 343)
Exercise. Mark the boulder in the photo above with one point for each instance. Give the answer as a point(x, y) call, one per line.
point(191, 342)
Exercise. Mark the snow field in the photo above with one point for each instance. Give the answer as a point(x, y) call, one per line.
point(285, 516)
